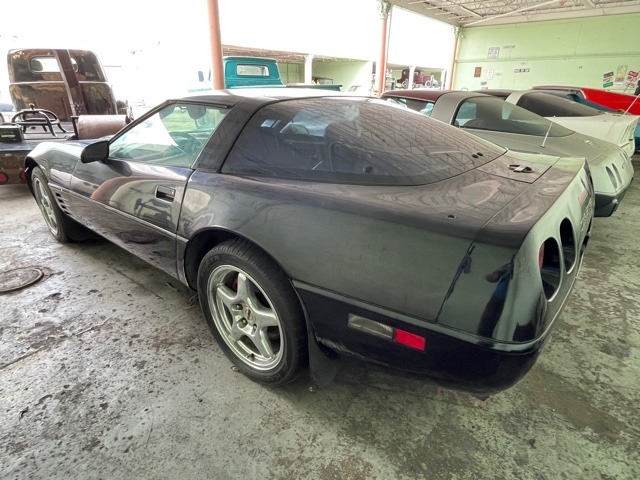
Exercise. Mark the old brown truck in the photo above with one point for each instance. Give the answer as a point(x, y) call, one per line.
point(57, 95)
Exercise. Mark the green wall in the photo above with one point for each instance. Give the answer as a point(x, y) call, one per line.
point(343, 72)
point(346, 73)
point(564, 52)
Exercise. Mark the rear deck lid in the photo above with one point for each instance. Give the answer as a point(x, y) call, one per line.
point(521, 166)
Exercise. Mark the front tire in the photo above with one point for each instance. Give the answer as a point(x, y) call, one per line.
point(63, 228)
point(51, 212)
point(253, 312)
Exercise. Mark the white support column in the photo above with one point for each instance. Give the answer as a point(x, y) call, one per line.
point(412, 70)
point(308, 66)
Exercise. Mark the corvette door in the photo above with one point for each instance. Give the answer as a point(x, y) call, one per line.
point(134, 198)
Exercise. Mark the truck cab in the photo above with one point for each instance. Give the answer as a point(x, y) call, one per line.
point(65, 82)
point(50, 90)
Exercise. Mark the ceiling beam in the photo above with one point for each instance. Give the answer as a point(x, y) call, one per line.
point(512, 12)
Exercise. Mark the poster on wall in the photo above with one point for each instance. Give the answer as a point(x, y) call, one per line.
point(632, 79)
point(477, 72)
point(607, 79)
point(621, 74)
point(494, 52)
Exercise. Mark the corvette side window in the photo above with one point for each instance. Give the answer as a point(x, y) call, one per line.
point(426, 110)
point(466, 112)
point(173, 136)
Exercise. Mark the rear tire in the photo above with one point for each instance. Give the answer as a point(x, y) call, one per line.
point(253, 312)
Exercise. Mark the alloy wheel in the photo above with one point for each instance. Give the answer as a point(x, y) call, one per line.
point(245, 317)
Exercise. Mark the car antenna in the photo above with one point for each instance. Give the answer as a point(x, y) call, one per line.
point(547, 134)
point(632, 103)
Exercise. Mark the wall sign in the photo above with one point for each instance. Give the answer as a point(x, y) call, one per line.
point(521, 70)
point(494, 52)
point(621, 73)
point(607, 79)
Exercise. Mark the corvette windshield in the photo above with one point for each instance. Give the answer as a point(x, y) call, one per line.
point(491, 113)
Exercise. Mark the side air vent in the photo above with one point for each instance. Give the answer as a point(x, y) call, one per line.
point(550, 268)
point(567, 238)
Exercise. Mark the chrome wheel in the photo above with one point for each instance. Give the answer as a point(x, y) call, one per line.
point(46, 205)
point(245, 317)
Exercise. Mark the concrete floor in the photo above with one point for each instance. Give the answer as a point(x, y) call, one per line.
point(108, 370)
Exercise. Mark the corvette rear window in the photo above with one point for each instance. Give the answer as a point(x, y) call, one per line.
point(352, 140)
point(547, 105)
point(494, 114)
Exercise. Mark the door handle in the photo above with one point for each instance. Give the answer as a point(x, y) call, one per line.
point(167, 194)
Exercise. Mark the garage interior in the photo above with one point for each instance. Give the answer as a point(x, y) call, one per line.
point(108, 369)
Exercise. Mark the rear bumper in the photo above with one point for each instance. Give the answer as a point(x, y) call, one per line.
point(606, 205)
point(453, 359)
point(12, 167)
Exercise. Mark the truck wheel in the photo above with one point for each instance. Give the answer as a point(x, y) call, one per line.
point(253, 312)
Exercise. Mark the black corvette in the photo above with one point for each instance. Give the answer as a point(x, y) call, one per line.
point(315, 221)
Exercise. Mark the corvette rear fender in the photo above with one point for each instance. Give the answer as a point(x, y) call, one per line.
point(514, 281)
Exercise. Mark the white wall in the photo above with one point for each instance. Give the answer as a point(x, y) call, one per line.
point(346, 74)
point(419, 41)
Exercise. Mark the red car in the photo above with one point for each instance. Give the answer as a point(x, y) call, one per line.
point(418, 79)
point(605, 98)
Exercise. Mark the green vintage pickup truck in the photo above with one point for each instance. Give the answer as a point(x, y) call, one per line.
point(246, 72)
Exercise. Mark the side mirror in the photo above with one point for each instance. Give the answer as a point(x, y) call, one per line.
point(95, 152)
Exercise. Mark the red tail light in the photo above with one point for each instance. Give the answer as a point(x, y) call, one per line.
point(541, 257)
point(23, 176)
point(3, 178)
point(409, 339)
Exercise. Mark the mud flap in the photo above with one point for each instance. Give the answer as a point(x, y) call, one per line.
point(323, 365)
